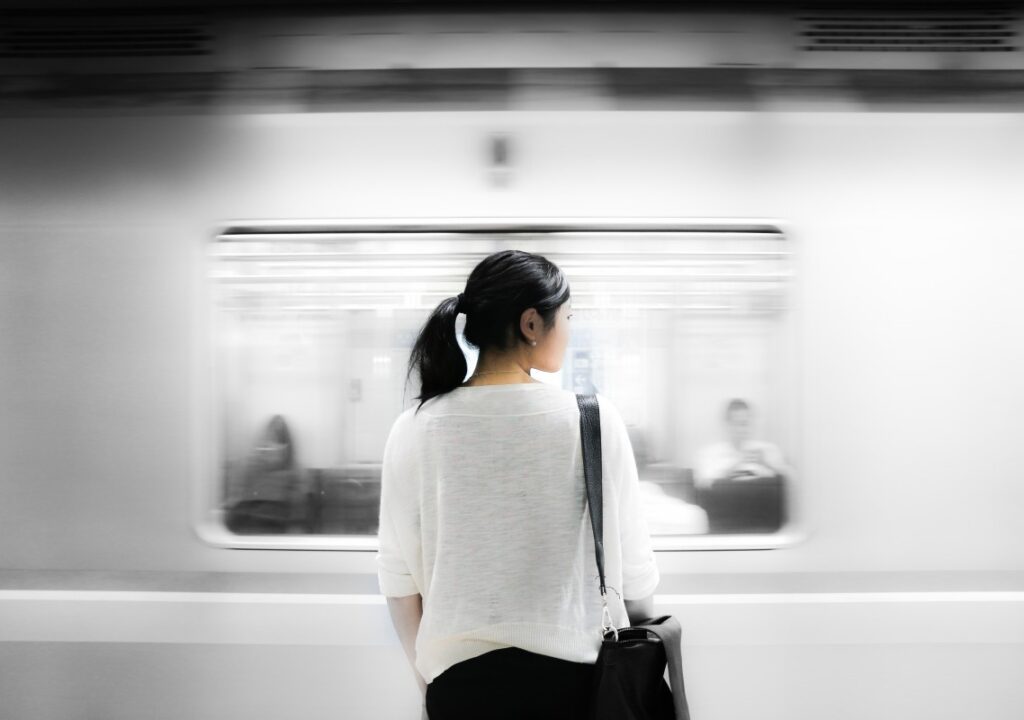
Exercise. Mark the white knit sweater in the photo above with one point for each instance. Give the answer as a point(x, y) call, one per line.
point(483, 513)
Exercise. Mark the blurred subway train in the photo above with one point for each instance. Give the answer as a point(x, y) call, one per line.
point(794, 244)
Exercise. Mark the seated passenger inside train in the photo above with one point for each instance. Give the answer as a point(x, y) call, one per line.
point(740, 481)
point(272, 498)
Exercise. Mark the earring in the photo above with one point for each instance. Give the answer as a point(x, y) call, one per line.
point(534, 343)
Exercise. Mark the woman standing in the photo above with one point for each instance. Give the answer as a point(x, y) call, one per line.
point(486, 551)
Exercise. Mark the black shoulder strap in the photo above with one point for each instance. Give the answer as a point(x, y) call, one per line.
point(590, 437)
point(666, 627)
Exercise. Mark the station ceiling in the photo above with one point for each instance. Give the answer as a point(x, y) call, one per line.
point(440, 6)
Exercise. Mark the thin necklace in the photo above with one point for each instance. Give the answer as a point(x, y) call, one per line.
point(498, 372)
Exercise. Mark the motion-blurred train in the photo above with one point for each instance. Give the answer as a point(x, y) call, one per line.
point(794, 245)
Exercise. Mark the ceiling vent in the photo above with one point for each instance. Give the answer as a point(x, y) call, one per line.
point(44, 36)
point(910, 32)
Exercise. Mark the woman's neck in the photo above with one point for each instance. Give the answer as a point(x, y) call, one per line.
point(500, 370)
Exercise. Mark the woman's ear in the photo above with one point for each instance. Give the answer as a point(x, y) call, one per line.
point(528, 323)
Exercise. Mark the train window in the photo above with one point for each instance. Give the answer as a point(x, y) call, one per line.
point(686, 327)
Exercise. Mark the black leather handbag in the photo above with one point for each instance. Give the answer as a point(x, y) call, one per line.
point(629, 682)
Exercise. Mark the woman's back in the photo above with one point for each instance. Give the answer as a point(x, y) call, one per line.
point(483, 512)
point(483, 507)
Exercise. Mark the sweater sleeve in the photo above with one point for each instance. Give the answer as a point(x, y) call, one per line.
point(393, 573)
point(640, 576)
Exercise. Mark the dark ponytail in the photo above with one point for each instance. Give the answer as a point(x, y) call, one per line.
point(501, 287)
point(436, 356)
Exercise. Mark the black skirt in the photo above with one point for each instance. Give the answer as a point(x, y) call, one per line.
point(511, 684)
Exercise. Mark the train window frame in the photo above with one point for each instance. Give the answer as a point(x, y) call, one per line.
point(208, 522)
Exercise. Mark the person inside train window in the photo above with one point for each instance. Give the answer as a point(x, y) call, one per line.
point(739, 457)
point(740, 482)
point(271, 494)
point(485, 552)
